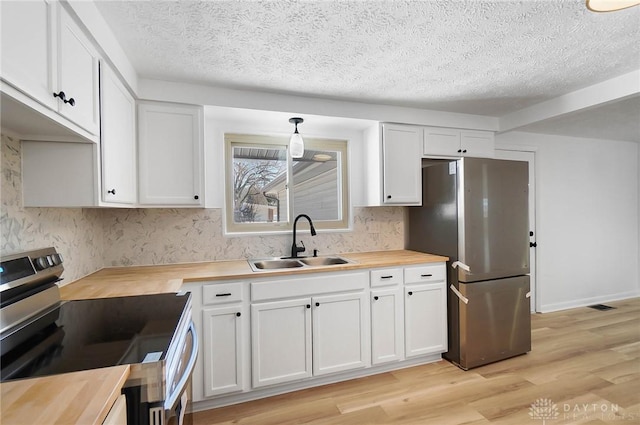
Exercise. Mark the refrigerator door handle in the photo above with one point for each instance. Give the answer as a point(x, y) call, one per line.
point(459, 295)
point(462, 265)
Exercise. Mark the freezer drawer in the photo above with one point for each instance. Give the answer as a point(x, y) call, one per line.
point(495, 323)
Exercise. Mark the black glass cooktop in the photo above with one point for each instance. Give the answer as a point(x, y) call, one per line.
point(90, 334)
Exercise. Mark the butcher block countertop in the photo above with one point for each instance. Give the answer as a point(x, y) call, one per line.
point(72, 398)
point(144, 280)
point(86, 397)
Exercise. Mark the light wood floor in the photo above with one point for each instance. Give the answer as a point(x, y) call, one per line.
point(582, 360)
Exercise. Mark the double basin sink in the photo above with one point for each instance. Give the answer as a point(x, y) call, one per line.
point(292, 263)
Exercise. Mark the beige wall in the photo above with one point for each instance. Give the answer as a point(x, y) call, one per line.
point(91, 238)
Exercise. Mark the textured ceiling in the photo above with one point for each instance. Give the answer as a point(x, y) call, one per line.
point(478, 57)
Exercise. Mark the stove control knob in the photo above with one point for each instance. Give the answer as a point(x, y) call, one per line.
point(49, 260)
point(57, 259)
point(41, 263)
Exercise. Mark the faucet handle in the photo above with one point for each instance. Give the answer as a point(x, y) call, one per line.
point(302, 248)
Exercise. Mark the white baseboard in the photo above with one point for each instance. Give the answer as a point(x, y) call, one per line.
point(583, 302)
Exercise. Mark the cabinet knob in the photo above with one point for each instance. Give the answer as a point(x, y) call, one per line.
point(61, 95)
point(388, 196)
point(317, 304)
point(308, 305)
point(196, 197)
point(112, 191)
point(238, 314)
point(410, 292)
point(71, 101)
point(375, 298)
point(464, 151)
point(459, 150)
point(533, 244)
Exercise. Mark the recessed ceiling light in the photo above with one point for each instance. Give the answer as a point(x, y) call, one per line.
point(322, 157)
point(610, 5)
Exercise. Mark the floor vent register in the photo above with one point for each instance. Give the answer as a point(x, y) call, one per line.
point(601, 307)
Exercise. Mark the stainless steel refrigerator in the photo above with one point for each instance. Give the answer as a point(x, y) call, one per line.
point(475, 211)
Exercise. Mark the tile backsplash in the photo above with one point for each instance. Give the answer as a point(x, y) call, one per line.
point(159, 236)
point(76, 233)
point(90, 239)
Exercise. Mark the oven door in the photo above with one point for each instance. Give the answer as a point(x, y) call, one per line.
point(179, 397)
point(172, 410)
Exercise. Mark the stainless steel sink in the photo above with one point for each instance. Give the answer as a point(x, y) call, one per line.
point(292, 263)
point(275, 264)
point(323, 261)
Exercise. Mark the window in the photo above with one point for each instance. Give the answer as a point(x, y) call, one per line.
point(266, 188)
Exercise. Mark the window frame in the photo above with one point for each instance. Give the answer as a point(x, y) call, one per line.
point(232, 140)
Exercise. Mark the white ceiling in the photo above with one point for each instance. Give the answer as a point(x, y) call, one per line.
point(478, 57)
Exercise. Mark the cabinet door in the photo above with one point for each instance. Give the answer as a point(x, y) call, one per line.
point(117, 140)
point(401, 168)
point(441, 141)
point(425, 319)
point(170, 154)
point(26, 47)
point(222, 343)
point(280, 341)
point(386, 325)
point(78, 75)
point(339, 338)
point(479, 144)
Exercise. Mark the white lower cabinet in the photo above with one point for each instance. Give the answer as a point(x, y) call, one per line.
point(386, 325)
point(301, 330)
point(339, 337)
point(296, 339)
point(223, 349)
point(425, 319)
point(281, 341)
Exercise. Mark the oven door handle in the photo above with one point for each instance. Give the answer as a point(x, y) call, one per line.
point(172, 400)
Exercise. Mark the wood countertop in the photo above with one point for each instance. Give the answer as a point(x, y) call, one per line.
point(72, 398)
point(144, 280)
point(86, 397)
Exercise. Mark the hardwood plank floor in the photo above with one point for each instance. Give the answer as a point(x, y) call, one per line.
point(585, 362)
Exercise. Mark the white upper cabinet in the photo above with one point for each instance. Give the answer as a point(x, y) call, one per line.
point(48, 58)
point(26, 45)
point(479, 144)
point(392, 165)
point(451, 142)
point(402, 181)
point(118, 140)
point(77, 76)
point(170, 148)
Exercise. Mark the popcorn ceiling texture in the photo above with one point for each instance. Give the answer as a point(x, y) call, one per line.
point(90, 239)
point(480, 57)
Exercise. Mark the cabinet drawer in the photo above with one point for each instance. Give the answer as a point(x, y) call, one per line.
point(423, 274)
point(386, 277)
point(222, 293)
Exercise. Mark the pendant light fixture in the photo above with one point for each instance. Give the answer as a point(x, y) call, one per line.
point(610, 5)
point(296, 144)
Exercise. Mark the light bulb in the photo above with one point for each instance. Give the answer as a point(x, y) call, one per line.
point(296, 145)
